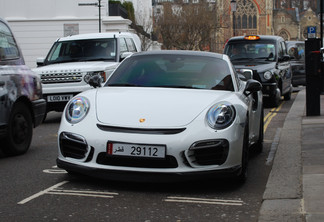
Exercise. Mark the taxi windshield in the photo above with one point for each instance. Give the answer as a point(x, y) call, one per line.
point(251, 50)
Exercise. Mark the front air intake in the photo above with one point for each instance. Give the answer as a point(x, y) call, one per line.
point(73, 146)
point(211, 152)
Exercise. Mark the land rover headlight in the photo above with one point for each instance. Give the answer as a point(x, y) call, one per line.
point(267, 75)
point(77, 109)
point(102, 75)
point(220, 115)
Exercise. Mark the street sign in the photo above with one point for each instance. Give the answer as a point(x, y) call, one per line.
point(311, 32)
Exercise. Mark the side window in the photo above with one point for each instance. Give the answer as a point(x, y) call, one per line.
point(284, 49)
point(237, 79)
point(8, 46)
point(131, 45)
point(280, 50)
point(123, 46)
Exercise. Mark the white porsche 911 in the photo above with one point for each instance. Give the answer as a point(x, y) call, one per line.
point(164, 115)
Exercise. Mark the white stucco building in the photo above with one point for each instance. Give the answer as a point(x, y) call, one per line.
point(38, 23)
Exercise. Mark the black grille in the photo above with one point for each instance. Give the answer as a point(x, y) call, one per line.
point(213, 152)
point(168, 162)
point(140, 130)
point(73, 146)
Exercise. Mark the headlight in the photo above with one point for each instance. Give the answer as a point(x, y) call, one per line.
point(77, 109)
point(220, 115)
point(102, 74)
point(267, 75)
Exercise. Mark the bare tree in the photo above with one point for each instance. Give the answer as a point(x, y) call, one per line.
point(144, 32)
point(187, 26)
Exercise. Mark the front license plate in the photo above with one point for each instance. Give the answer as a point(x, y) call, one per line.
point(59, 98)
point(136, 150)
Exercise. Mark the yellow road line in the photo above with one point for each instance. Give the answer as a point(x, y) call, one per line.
point(273, 112)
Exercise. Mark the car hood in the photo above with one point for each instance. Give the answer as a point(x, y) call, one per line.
point(259, 66)
point(76, 66)
point(159, 107)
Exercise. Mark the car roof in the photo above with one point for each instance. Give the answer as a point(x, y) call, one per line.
point(262, 37)
point(96, 36)
point(2, 20)
point(295, 42)
point(180, 52)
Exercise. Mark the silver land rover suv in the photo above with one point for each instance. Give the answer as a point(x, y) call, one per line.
point(73, 60)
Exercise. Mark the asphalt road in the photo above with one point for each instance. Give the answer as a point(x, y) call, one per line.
point(32, 188)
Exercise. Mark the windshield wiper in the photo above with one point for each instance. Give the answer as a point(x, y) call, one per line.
point(99, 59)
point(123, 84)
point(177, 86)
point(238, 59)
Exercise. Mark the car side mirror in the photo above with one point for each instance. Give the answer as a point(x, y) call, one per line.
point(252, 86)
point(284, 58)
point(124, 55)
point(95, 81)
point(245, 74)
point(242, 77)
point(40, 62)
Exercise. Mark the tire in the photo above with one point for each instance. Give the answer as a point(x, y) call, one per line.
point(20, 130)
point(275, 100)
point(258, 146)
point(287, 96)
point(242, 176)
point(44, 118)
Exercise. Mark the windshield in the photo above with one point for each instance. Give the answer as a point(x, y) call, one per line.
point(251, 50)
point(82, 50)
point(297, 51)
point(174, 71)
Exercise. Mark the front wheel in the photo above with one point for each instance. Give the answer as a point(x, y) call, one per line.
point(258, 146)
point(287, 96)
point(275, 99)
point(242, 176)
point(20, 130)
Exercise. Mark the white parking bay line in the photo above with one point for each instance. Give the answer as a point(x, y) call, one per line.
point(204, 201)
point(42, 192)
point(86, 193)
point(55, 190)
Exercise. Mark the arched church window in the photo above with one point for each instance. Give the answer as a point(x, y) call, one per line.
point(244, 22)
point(284, 34)
point(238, 22)
point(254, 21)
point(305, 33)
point(247, 11)
point(250, 22)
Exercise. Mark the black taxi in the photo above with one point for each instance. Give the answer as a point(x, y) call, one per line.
point(22, 106)
point(264, 58)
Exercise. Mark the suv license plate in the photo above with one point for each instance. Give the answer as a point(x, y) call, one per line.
point(59, 98)
point(136, 150)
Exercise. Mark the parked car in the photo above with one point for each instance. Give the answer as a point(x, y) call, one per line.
point(72, 60)
point(21, 104)
point(296, 50)
point(162, 115)
point(265, 59)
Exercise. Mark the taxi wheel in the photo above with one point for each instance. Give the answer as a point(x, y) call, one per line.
point(20, 130)
point(287, 96)
point(275, 100)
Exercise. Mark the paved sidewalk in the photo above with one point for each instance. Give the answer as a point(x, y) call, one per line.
point(295, 187)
